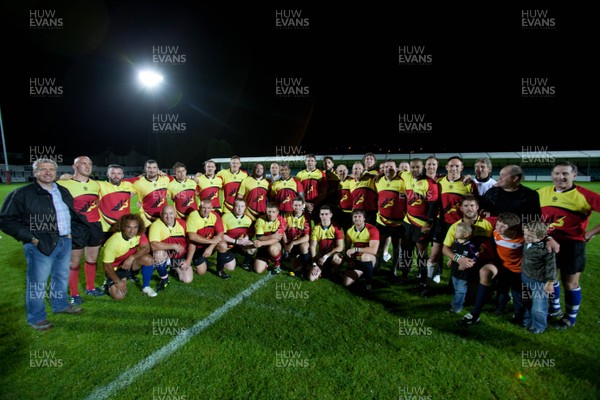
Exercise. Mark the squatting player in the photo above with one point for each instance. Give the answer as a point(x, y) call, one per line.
point(127, 250)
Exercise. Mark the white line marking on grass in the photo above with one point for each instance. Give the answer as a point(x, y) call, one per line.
point(127, 377)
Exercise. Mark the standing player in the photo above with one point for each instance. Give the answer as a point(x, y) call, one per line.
point(391, 209)
point(314, 183)
point(182, 190)
point(286, 189)
point(452, 190)
point(567, 207)
point(343, 216)
point(85, 192)
point(333, 182)
point(369, 161)
point(364, 194)
point(254, 190)
point(421, 214)
point(152, 192)
point(210, 185)
point(274, 173)
point(232, 178)
point(115, 196)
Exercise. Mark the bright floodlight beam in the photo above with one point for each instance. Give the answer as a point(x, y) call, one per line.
point(150, 79)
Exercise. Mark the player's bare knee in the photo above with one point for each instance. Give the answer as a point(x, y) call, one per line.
point(147, 260)
point(201, 269)
point(159, 256)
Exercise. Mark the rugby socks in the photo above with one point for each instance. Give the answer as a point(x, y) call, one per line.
point(147, 271)
point(555, 299)
point(248, 259)
point(162, 270)
point(306, 262)
point(277, 260)
point(482, 294)
point(90, 276)
point(572, 302)
point(74, 281)
point(221, 261)
point(368, 271)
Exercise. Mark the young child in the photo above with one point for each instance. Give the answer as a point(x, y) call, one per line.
point(464, 247)
point(509, 240)
point(538, 276)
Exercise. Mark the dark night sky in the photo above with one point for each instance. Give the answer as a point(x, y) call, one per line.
point(348, 58)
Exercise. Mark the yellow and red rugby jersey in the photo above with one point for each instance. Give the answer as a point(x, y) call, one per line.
point(152, 195)
point(420, 195)
point(363, 237)
point(482, 237)
point(568, 212)
point(391, 201)
point(346, 194)
point(364, 193)
point(117, 248)
point(313, 182)
point(85, 197)
point(326, 237)
point(451, 194)
point(283, 192)
point(231, 184)
point(256, 196)
point(268, 228)
point(206, 227)
point(115, 201)
point(183, 195)
point(235, 227)
point(210, 188)
point(296, 226)
point(159, 232)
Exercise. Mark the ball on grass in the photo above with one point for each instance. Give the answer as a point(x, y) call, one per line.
point(117, 293)
point(292, 273)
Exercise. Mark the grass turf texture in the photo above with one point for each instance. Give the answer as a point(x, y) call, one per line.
point(293, 339)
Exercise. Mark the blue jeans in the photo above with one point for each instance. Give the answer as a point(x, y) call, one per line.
point(460, 292)
point(535, 300)
point(39, 268)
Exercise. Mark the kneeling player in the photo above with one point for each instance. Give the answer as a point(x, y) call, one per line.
point(363, 243)
point(169, 246)
point(326, 246)
point(239, 228)
point(297, 236)
point(205, 231)
point(269, 233)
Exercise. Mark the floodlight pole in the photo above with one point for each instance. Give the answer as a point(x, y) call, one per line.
point(6, 171)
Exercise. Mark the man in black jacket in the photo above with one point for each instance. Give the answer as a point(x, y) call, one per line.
point(40, 216)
